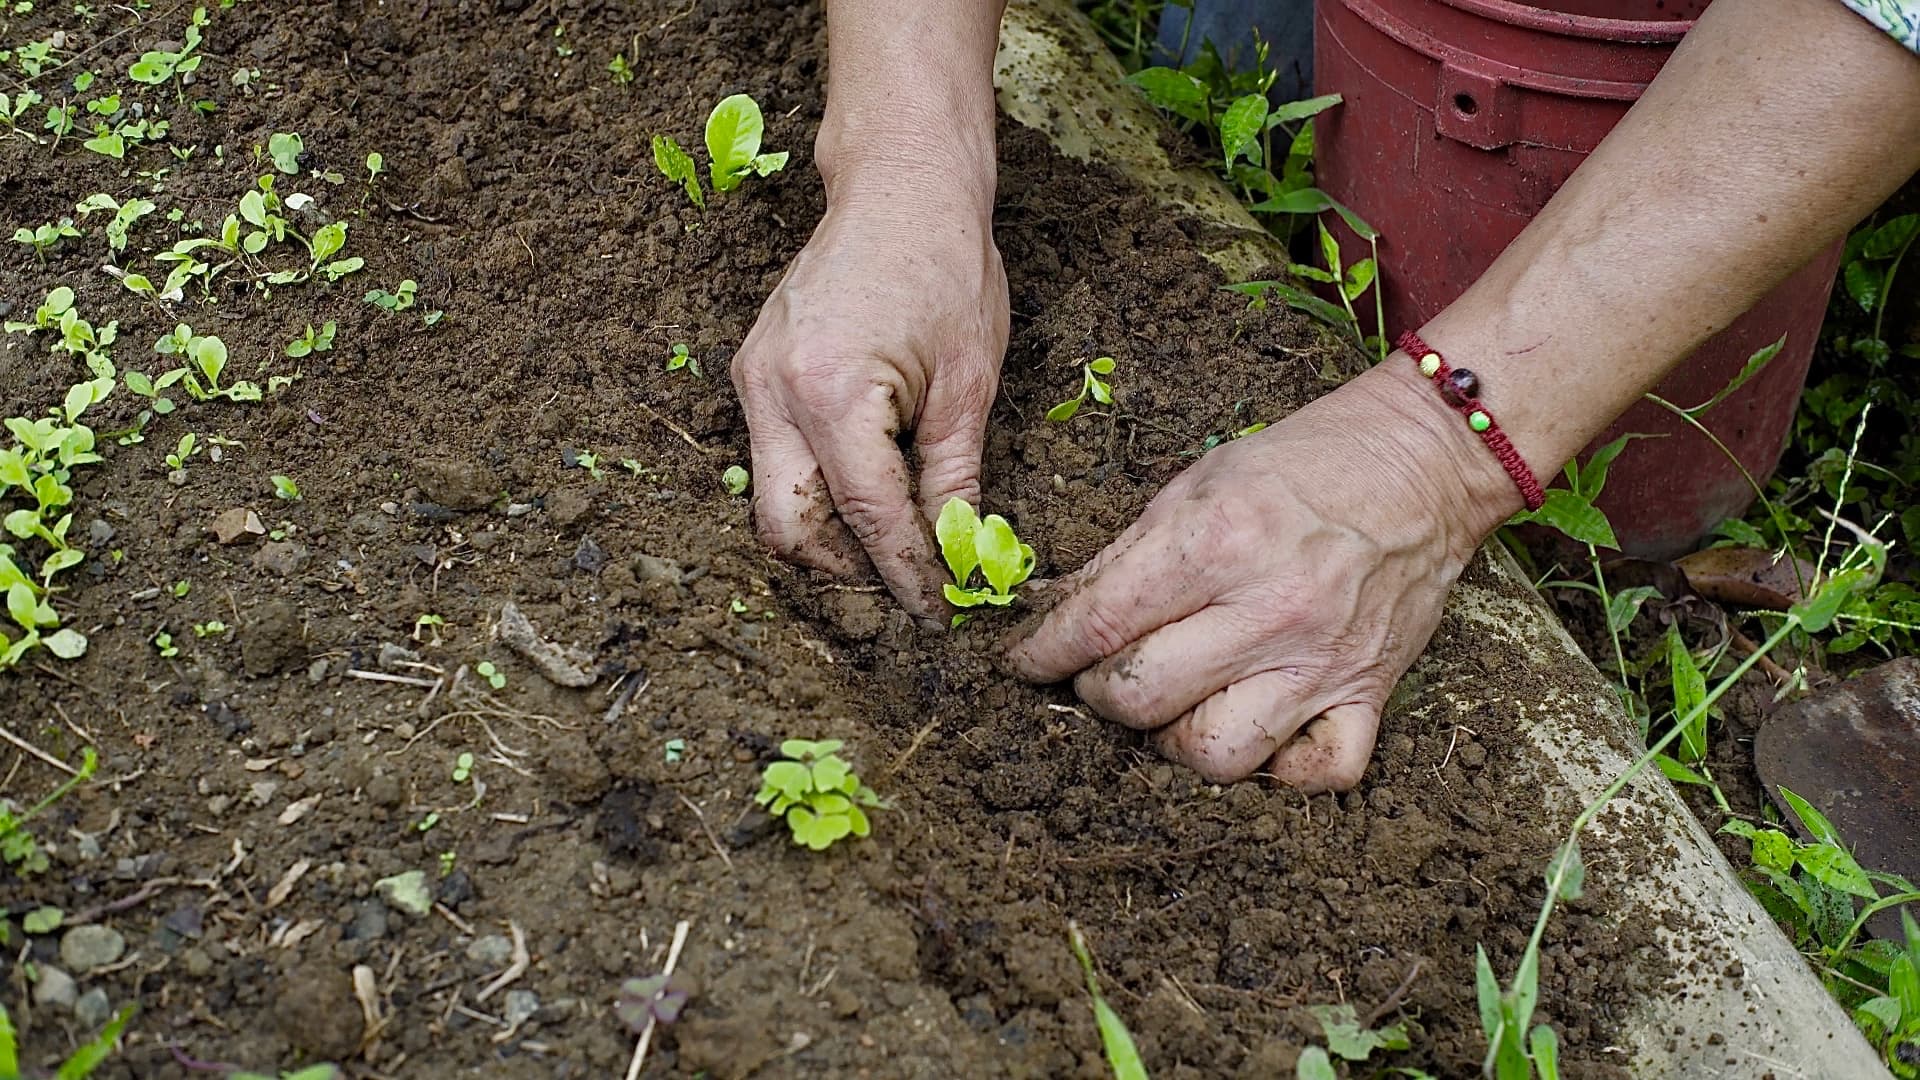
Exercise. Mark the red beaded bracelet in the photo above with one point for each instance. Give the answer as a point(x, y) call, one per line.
point(1460, 388)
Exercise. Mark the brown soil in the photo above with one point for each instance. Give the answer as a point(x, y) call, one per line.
point(434, 463)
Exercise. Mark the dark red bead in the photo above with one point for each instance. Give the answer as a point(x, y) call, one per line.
point(1460, 386)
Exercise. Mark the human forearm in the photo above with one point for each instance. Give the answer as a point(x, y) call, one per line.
point(1777, 124)
point(910, 99)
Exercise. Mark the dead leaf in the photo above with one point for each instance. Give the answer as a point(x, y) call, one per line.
point(237, 524)
point(1746, 577)
point(284, 887)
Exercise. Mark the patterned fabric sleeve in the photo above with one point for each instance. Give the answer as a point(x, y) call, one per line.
point(1901, 18)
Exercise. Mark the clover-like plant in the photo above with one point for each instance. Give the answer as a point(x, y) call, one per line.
point(1091, 384)
point(971, 543)
point(653, 998)
point(733, 135)
point(817, 792)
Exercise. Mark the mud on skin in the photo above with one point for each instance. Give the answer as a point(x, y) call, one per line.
point(567, 269)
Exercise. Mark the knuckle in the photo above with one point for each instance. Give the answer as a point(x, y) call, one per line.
point(1103, 630)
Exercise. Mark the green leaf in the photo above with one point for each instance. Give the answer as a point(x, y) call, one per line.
point(964, 598)
point(1574, 516)
point(733, 138)
point(1359, 277)
point(1592, 476)
point(1545, 1046)
point(1761, 357)
point(1301, 110)
point(23, 606)
point(1329, 248)
point(1066, 409)
point(1832, 866)
point(1673, 770)
point(677, 165)
point(1772, 849)
point(1487, 991)
point(1903, 982)
point(1689, 695)
point(999, 551)
point(1888, 240)
point(1883, 1011)
point(285, 148)
point(1175, 91)
point(1301, 201)
point(1313, 1064)
point(790, 778)
point(328, 240)
point(1624, 606)
point(736, 479)
point(828, 773)
point(67, 644)
point(768, 164)
point(1312, 305)
point(253, 208)
point(1817, 613)
point(1863, 283)
point(43, 920)
point(83, 1061)
point(1567, 872)
point(1241, 125)
point(9, 1043)
point(64, 559)
point(1122, 1055)
point(1102, 366)
point(955, 530)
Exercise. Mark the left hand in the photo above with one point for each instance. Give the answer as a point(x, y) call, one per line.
point(1263, 606)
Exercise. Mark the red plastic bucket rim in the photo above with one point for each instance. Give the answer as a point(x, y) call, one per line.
point(1533, 17)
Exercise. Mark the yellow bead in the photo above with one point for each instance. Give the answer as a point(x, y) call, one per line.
point(1430, 364)
point(1479, 421)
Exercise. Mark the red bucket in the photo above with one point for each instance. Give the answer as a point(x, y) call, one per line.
point(1461, 119)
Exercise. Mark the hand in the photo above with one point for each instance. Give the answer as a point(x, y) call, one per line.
point(1263, 606)
point(892, 318)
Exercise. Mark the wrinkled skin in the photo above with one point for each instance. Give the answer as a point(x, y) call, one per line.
point(888, 321)
point(1259, 612)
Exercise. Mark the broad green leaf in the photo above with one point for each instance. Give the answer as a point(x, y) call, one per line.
point(1884, 1011)
point(790, 778)
point(1066, 409)
point(1175, 91)
point(1241, 125)
point(64, 559)
point(1624, 606)
point(1903, 983)
point(1301, 201)
point(857, 818)
point(1301, 110)
point(1832, 866)
point(1359, 277)
point(253, 208)
point(1303, 301)
point(1673, 770)
point(67, 644)
point(285, 148)
point(1889, 239)
point(1101, 392)
point(768, 164)
point(1863, 283)
point(1567, 872)
point(9, 1040)
point(1574, 516)
point(1102, 366)
point(955, 529)
point(1001, 558)
point(828, 773)
point(1773, 849)
point(23, 606)
point(328, 240)
point(733, 138)
point(1592, 476)
point(1817, 613)
point(13, 469)
point(43, 920)
point(1487, 990)
point(1313, 1064)
point(964, 598)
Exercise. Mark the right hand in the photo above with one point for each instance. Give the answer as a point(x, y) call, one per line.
point(892, 319)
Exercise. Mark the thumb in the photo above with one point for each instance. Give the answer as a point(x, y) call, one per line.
point(950, 434)
point(1331, 752)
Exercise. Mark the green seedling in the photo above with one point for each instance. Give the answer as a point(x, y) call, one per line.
point(734, 128)
point(429, 624)
point(737, 606)
point(462, 768)
point(1123, 1057)
point(376, 164)
point(494, 676)
point(313, 341)
point(1349, 1039)
point(681, 357)
point(113, 139)
point(163, 644)
point(677, 165)
point(181, 588)
point(189, 446)
point(447, 860)
point(675, 750)
point(427, 823)
point(817, 792)
point(80, 1064)
point(44, 237)
point(1870, 262)
point(589, 462)
point(736, 479)
point(621, 71)
point(285, 148)
point(157, 66)
point(212, 628)
point(400, 299)
point(328, 241)
point(42, 920)
point(206, 359)
point(124, 215)
point(969, 542)
point(48, 315)
point(1091, 385)
point(285, 488)
point(18, 847)
point(12, 108)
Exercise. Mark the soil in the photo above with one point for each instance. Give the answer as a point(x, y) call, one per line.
point(255, 786)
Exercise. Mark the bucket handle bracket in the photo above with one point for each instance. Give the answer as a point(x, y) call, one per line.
point(1475, 107)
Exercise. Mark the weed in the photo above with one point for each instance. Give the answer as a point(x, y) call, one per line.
point(313, 341)
point(18, 847)
point(817, 792)
point(81, 1063)
point(400, 299)
point(1122, 1056)
point(652, 999)
point(44, 238)
point(736, 479)
point(1090, 385)
point(1870, 261)
point(590, 462)
point(180, 588)
point(969, 542)
point(682, 357)
point(163, 644)
point(462, 768)
point(211, 628)
point(494, 676)
point(621, 71)
point(677, 165)
point(285, 488)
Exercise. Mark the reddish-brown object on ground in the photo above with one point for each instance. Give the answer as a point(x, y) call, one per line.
point(1461, 119)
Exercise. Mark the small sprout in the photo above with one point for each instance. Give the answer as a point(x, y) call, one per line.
point(633, 466)
point(676, 749)
point(163, 642)
point(43, 920)
point(494, 676)
point(181, 588)
point(428, 623)
point(817, 792)
point(683, 358)
point(737, 606)
point(589, 462)
point(209, 629)
point(733, 141)
point(677, 165)
point(446, 863)
point(285, 149)
point(462, 768)
point(375, 165)
point(1090, 384)
point(653, 999)
point(285, 488)
point(968, 543)
point(621, 70)
point(188, 447)
point(736, 480)
point(400, 299)
point(428, 822)
point(313, 341)
point(43, 238)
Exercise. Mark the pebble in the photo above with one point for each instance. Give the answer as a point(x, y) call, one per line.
point(369, 922)
point(520, 1005)
point(55, 989)
point(93, 1009)
point(492, 951)
point(197, 962)
point(87, 947)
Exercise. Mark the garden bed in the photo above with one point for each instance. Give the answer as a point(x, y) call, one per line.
point(440, 475)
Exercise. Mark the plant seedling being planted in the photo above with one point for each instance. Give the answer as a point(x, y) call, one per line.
point(1090, 384)
point(682, 357)
point(817, 792)
point(733, 141)
point(969, 542)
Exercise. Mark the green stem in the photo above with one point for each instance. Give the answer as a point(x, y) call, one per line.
point(1773, 512)
point(1886, 286)
point(1875, 908)
point(1619, 654)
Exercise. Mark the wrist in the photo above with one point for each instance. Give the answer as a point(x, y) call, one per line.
point(897, 161)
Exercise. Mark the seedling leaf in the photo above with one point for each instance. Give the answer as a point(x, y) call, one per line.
point(677, 165)
point(955, 529)
point(1122, 1055)
point(733, 140)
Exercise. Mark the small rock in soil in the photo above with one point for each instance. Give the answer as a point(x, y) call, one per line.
point(653, 568)
point(283, 557)
point(406, 892)
point(520, 1005)
point(560, 665)
point(197, 962)
point(589, 556)
point(369, 922)
point(570, 508)
point(273, 638)
point(87, 947)
point(457, 485)
point(55, 989)
point(492, 951)
point(393, 656)
point(235, 525)
point(93, 1009)
point(455, 889)
point(187, 921)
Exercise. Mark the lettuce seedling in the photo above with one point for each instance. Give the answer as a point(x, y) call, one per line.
point(43, 238)
point(494, 676)
point(817, 792)
point(969, 542)
point(189, 446)
point(151, 389)
point(285, 148)
point(677, 165)
point(47, 315)
point(124, 215)
point(1090, 384)
point(683, 358)
point(313, 341)
point(157, 66)
point(284, 488)
point(733, 142)
point(400, 299)
point(206, 358)
point(736, 480)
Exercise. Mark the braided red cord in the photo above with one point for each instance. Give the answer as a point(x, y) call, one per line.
point(1495, 439)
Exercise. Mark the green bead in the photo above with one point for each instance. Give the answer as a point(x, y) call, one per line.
point(1430, 365)
point(1479, 421)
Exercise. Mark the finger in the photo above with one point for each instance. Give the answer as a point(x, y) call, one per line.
point(1332, 752)
point(950, 434)
point(1232, 734)
point(1169, 672)
point(792, 510)
point(1140, 588)
point(867, 476)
